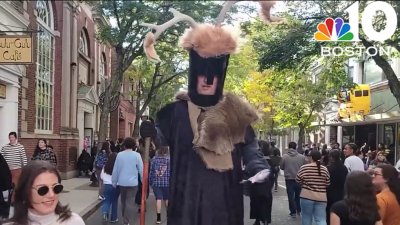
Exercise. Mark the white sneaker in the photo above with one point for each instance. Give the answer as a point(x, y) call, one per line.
point(101, 197)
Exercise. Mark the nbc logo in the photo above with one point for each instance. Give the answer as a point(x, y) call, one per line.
point(333, 30)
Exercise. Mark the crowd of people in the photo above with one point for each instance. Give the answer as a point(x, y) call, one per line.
point(118, 170)
point(340, 187)
point(32, 188)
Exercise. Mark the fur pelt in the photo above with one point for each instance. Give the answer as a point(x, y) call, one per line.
point(209, 40)
point(223, 126)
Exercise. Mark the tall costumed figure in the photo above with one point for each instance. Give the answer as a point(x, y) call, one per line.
point(208, 132)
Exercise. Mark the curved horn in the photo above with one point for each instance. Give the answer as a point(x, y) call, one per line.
point(265, 12)
point(225, 8)
point(151, 38)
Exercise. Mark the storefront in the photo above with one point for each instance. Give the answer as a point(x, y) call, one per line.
point(373, 132)
point(8, 101)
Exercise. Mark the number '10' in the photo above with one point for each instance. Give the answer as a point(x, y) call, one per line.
point(367, 20)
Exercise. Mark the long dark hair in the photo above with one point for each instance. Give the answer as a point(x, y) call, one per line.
point(360, 197)
point(106, 146)
point(264, 147)
point(37, 149)
point(391, 176)
point(334, 156)
point(24, 189)
point(316, 156)
point(108, 168)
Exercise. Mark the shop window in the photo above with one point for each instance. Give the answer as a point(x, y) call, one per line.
point(389, 134)
point(83, 44)
point(348, 134)
point(372, 73)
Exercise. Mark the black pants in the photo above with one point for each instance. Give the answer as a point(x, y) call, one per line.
point(4, 206)
point(276, 174)
point(261, 202)
point(138, 197)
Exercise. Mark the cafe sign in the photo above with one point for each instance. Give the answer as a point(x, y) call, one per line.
point(15, 49)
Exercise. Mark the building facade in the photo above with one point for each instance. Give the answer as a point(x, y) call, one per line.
point(13, 19)
point(382, 124)
point(56, 96)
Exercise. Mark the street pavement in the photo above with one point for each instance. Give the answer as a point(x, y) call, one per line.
point(280, 211)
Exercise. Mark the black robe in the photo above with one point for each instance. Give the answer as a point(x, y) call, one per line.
point(201, 196)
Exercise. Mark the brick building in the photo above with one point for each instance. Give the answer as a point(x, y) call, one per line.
point(56, 97)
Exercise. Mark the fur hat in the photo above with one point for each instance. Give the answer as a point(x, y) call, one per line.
point(208, 40)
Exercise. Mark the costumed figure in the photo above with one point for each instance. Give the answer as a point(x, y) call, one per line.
point(208, 132)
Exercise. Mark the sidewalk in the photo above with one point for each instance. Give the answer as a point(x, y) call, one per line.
point(81, 198)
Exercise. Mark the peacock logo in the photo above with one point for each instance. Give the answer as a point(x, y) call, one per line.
point(333, 30)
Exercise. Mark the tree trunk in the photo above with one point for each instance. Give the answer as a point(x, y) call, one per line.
point(302, 131)
point(136, 126)
point(111, 93)
point(104, 115)
point(393, 81)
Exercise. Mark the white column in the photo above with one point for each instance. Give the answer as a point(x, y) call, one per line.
point(81, 128)
point(8, 113)
point(74, 73)
point(66, 67)
point(357, 72)
point(340, 135)
point(327, 135)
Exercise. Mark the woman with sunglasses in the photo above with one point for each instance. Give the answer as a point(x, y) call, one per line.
point(37, 200)
point(386, 180)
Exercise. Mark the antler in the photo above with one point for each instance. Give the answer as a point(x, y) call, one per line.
point(151, 38)
point(227, 5)
point(265, 12)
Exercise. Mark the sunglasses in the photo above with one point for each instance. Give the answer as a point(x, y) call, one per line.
point(43, 190)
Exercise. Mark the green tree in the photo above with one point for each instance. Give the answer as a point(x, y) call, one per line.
point(127, 37)
point(148, 79)
point(299, 93)
point(240, 67)
point(296, 82)
point(292, 42)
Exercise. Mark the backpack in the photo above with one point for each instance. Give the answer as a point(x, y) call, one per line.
point(101, 159)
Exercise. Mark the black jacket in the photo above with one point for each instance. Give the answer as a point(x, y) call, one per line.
point(201, 196)
point(5, 175)
point(335, 191)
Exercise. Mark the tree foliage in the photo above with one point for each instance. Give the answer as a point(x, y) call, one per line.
point(240, 67)
point(294, 83)
point(292, 43)
point(127, 37)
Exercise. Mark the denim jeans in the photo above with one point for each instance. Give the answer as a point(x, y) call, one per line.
point(110, 202)
point(313, 209)
point(293, 191)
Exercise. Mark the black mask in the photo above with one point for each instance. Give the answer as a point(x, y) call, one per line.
point(210, 68)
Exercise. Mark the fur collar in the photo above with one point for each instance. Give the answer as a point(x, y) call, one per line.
point(222, 126)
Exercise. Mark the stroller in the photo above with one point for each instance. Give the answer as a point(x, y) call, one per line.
point(85, 163)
